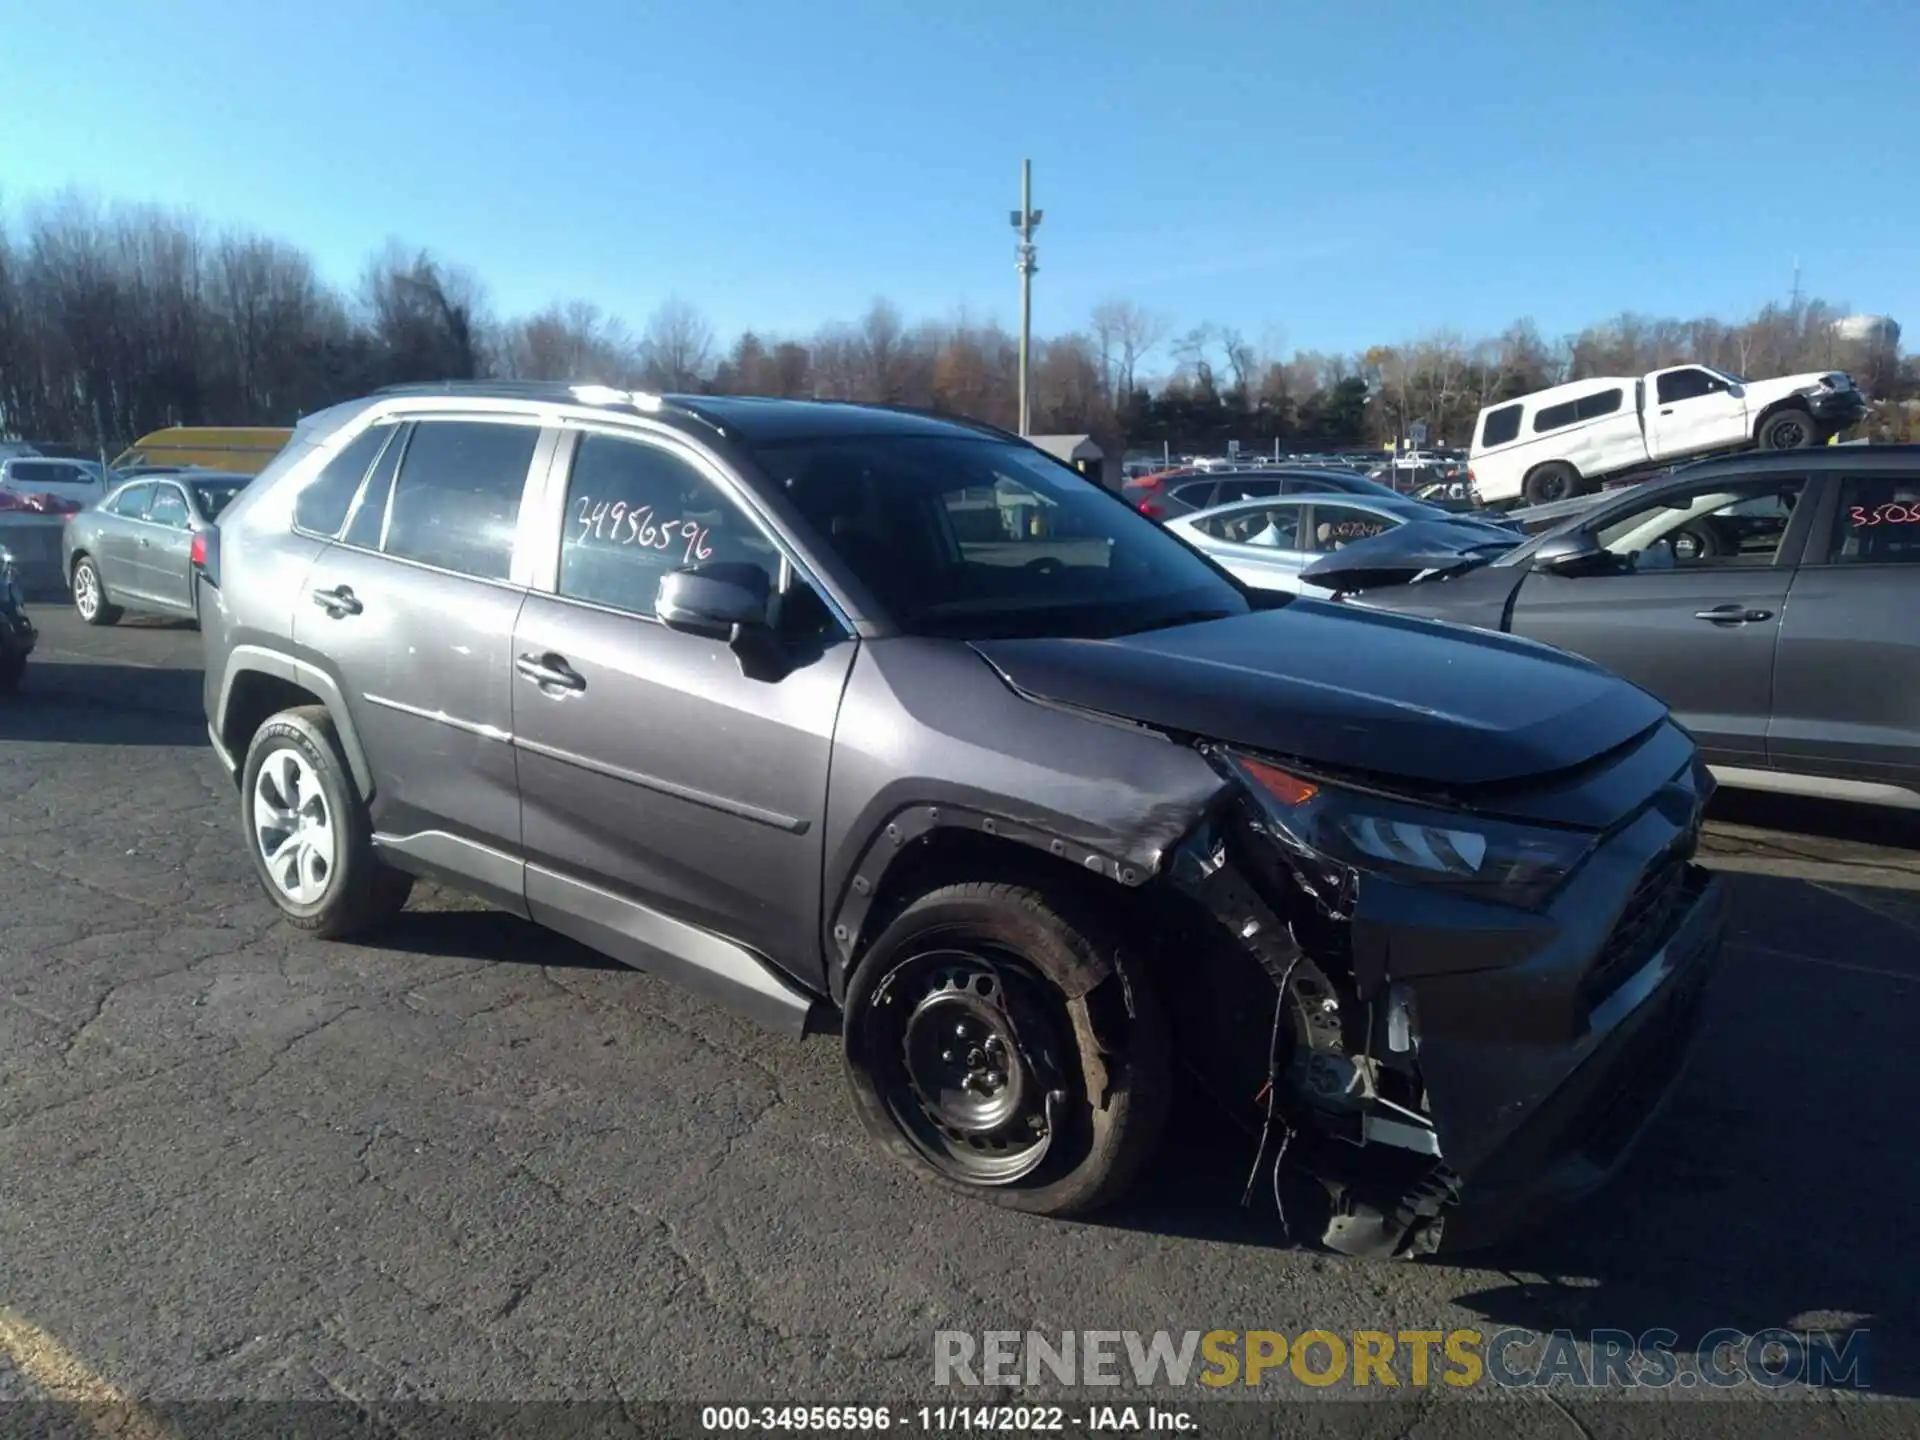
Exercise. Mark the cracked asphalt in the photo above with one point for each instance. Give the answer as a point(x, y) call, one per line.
point(476, 1162)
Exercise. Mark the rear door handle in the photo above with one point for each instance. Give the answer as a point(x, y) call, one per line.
point(550, 672)
point(338, 601)
point(1732, 615)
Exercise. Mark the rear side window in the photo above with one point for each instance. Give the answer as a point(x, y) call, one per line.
point(322, 505)
point(1500, 426)
point(49, 472)
point(169, 507)
point(1336, 526)
point(1552, 417)
point(1592, 407)
point(1199, 496)
point(366, 527)
point(1878, 521)
point(132, 502)
point(456, 501)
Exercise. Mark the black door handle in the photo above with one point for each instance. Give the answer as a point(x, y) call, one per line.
point(338, 601)
point(145, 542)
point(1732, 615)
point(550, 671)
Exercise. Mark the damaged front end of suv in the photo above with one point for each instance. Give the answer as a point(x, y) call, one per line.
point(1466, 1011)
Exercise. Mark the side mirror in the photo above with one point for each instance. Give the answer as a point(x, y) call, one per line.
point(1575, 553)
point(713, 600)
point(726, 601)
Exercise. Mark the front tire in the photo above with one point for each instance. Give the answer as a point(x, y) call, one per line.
point(90, 594)
point(1006, 1043)
point(1555, 480)
point(1786, 430)
point(308, 832)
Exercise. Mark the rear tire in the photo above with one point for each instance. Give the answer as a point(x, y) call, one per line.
point(1555, 480)
point(1791, 429)
point(90, 594)
point(1006, 1043)
point(308, 833)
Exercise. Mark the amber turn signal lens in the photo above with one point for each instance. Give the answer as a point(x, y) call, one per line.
point(1287, 789)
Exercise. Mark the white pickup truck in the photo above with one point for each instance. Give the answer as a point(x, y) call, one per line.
point(1561, 442)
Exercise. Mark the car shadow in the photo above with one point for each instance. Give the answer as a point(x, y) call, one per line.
point(1825, 819)
point(488, 935)
point(1774, 1191)
point(74, 704)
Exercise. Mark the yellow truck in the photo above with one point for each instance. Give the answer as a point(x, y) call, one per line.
point(241, 449)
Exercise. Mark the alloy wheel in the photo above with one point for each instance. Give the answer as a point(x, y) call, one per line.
point(86, 592)
point(293, 827)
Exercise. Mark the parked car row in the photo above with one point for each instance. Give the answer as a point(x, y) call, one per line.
point(836, 711)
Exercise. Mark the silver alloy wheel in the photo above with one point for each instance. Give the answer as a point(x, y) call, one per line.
point(293, 826)
point(86, 591)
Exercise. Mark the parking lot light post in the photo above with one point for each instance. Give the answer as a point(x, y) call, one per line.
point(1025, 221)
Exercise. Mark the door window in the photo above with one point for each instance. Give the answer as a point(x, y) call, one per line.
point(1877, 521)
point(1718, 524)
point(366, 526)
point(1245, 488)
point(637, 512)
point(1686, 385)
point(322, 503)
point(132, 502)
point(1337, 526)
point(1199, 496)
point(456, 501)
point(1275, 527)
point(169, 507)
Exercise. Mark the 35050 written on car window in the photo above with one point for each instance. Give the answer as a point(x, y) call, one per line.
point(636, 512)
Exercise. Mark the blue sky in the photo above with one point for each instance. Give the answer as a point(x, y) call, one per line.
point(1322, 176)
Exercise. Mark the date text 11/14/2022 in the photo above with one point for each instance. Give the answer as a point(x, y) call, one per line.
point(948, 1419)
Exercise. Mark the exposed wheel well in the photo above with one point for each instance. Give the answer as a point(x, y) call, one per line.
point(1791, 402)
point(255, 698)
point(952, 855)
point(73, 563)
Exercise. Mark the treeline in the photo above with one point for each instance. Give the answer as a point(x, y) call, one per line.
point(117, 320)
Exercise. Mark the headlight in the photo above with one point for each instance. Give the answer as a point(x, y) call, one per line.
point(1488, 859)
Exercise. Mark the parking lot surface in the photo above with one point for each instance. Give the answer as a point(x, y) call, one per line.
point(476, 1162)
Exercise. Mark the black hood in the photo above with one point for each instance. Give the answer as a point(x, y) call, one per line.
point(1347, 688)
point(1397, 555)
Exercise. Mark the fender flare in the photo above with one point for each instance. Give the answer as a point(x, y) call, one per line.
point(262, 660)
point(852, 909)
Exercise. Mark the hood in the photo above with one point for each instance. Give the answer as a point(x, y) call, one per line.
point(1349, 689)
point(1794, 384)
point(1396, 556)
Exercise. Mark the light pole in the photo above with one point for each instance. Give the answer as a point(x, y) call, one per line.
point(1025, 221)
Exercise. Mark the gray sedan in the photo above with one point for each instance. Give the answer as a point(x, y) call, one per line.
point(1266, 543)
point(134, 550)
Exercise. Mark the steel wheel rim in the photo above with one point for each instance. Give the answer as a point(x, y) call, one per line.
point(1787, 436)
point(968, 1063)
point(293, 827)
point(86, 591)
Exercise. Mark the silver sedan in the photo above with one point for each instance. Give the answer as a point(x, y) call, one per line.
point(1266, 543)
point(134, 549)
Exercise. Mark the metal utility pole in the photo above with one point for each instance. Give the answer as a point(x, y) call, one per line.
point(1025, 221)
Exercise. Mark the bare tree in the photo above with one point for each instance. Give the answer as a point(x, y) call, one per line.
point(676, 348)
point(1124, 335)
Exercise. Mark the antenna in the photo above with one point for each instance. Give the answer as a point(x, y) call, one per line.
point(1795, 300)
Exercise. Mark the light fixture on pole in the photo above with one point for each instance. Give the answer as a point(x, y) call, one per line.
point(1025, 221)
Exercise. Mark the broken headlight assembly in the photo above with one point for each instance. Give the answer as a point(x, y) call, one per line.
point(1469, 854)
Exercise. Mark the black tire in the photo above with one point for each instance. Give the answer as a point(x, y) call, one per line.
point(1555, 480)
point(1081, 1048)
point(1790, 429)
point(90, 599)
point(359, 891)
point(13, 669)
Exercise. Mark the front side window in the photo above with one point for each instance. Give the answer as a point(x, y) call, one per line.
point(322, 503)
point(1500, 426)
point(456, 501)
point(1198, 496)
point(1877, 521)
point(1713, 524)
point(1337, 526)
point(637, 512)
point(169, 507)
point(1275, 527)
point(1686, 385)
point(132, 502)
point(973, 538)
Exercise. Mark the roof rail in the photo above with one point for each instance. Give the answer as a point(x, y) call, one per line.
point(562, 392)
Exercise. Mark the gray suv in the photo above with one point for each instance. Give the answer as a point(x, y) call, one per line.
point(842, 711)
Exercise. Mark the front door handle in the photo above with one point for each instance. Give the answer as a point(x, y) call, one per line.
point(338, 601)
point(1732, 615)
point(145, 543)
point(550, 671)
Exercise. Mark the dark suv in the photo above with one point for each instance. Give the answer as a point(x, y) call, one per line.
point(837, 710)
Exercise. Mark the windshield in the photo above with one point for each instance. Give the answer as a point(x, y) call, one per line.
point(212, 499)
point(978, 539)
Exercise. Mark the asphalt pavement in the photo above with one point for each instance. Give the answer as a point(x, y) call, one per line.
point(476, 1162)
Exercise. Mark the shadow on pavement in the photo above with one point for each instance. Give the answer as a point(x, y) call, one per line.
point(487, 935)
point(1827, 819)
point(60, 704)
